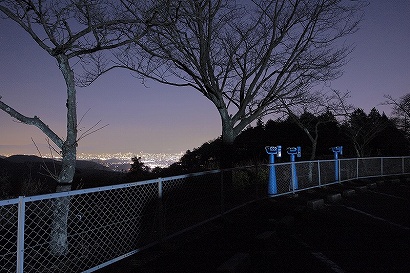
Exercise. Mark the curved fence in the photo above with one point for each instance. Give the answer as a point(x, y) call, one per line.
point(107, 224)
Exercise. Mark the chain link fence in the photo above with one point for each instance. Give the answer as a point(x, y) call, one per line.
point(349, 169)
point(84, 230)
point(8, 235)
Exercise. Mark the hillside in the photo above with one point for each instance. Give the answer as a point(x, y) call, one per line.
point(81, 164)
point(30, 175)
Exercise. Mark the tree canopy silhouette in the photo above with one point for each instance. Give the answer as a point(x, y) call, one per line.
point(246, 57)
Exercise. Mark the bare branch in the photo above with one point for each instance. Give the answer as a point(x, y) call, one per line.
point(50, 174)
point(33, 121)
point(91, 130)
point(315, 110)
point(400, 112)
point(246, 57)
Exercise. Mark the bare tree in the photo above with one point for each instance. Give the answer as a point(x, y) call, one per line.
point(71, 31)
point(247, 58)
point(320, 108)
point(361, 129)
point(400, 112)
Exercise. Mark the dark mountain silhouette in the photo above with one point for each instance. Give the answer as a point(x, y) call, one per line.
point(27, 158)
point(18, 171)
point(19, 174)
point(81, 164)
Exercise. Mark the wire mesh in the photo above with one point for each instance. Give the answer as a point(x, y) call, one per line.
point(81, 230)
point(189, 200)
point(8, 237)
point(307, 174)
point(100, 227)
point(260, 180)
point(327, 171)
point(348, 169)
point(283, 178)
point(242, 185)
point(392, 165)
point(369, 167)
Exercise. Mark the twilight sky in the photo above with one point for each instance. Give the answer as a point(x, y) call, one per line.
point(157, 118)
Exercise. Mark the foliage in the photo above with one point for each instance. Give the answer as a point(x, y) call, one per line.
point(372, 134)
point(138, 170)
point(362, 130)
point(25, 174)
point(320, 109)
point(138, 166)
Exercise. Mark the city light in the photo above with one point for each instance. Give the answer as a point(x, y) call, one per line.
point(123, 161)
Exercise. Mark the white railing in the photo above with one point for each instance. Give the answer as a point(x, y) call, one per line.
point(110, 223)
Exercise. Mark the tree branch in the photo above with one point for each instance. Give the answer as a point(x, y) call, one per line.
point(36, 121)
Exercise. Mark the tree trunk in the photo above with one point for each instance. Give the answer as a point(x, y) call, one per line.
point(228, 137)
point(357, 149)
point(227, 150)
point(61, 206)
point(314, 148)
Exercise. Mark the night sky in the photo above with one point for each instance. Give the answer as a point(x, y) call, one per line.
point(156, 118)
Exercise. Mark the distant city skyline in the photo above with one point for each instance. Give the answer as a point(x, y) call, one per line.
point(156, 118)
point(122, 161)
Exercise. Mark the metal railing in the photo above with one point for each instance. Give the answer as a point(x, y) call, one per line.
point(106, 224)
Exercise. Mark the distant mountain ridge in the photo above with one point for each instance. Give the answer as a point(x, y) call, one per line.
point(81, 164)
point(31, 175)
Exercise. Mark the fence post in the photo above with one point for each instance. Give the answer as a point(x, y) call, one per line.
point(272, 151)
point(272, 188)
point(357, 168)
point(161, 211)
point(318, 172)
point(339, 169)
point(381, 166)
point(20, 234)
point(295, 184)
point(336, 151)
